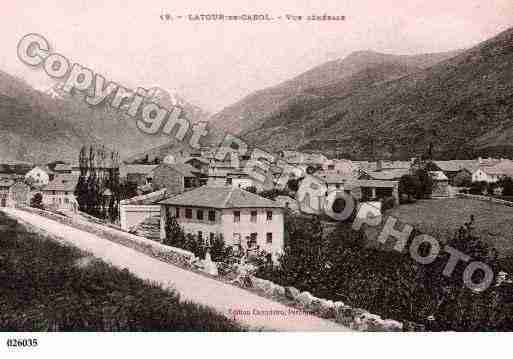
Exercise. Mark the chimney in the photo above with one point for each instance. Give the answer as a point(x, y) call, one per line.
point(379, 165)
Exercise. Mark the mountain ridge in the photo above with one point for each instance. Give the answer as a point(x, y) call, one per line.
point(42, 126)
point(456, 105)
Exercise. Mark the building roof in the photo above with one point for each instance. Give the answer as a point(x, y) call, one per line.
point(62, 182)
point(365, 165)
point(61, 167)
point(438, 176)
point(330, 177)
point(388, 174)
point(287, 201)
point(40, 168)
point(147, 199)
point(457, 165)
point(221, 198)
point(21, 168)
point(6, 183)
point(387, 164)
point(354, 183)
point(183, 168)
point(296, 157)
point(503, 168)
point(138, 169)
point(199, 159)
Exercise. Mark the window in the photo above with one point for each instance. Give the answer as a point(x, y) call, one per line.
point(200, 235)
point(188, 213)
point(236, 216)
point(212, 237)
point(228, 180)
point(187, 182)
point(212, 216)
point(269, 238)
point(177, 212)
point(253, 240)
point(337, 186)
point(331, 167)
point(199, 214)
point(253, 216)
point(270, 215)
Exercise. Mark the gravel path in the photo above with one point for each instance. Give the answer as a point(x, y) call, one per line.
point(224, 298)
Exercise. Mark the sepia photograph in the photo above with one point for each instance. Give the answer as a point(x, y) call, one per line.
point(192, 172)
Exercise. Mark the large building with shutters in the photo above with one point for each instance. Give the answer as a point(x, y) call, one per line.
point(246, 221)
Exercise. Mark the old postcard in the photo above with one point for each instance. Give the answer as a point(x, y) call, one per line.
point(234, 166)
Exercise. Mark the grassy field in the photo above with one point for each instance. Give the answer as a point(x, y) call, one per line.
point(46, 286)
point(442, 217)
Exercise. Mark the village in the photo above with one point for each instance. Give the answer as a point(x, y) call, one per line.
point(209, 197)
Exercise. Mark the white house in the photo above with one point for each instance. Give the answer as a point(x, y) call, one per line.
point(60, 193)
point(245, 220)
point(494, 172)
point(482, 175)
point(134, 211)
point(339, 166)
point(37, 177)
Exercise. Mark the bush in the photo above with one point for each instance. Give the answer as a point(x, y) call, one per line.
point(175, 236)
point(408, 187)
point(425, 188)
point(418, 185)
point(37, 201)
point(507, 186)
point(387, 203)
point(463, 179)
point(478, 188)
point(341, 267)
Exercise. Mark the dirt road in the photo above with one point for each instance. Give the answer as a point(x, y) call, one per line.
point(253, 310)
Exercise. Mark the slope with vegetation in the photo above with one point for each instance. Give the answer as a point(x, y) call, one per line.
point(42, 127)
point(460, 104)
point(46, 286)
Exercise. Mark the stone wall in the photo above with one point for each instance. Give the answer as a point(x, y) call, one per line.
point(172, 255)
point(353, 318)
point(485, 198)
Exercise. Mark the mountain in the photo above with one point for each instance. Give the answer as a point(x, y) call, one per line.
point(317, 86)
point(461, 106)
point(45, 126)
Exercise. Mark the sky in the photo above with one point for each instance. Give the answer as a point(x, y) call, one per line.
point(214, 64)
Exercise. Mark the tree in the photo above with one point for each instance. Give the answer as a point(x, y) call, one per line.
point(478, 187)
point(409, 185)
point(507, 186)
point(463, 179)
point(426, 184)
point(194, 245)
point(175, 235)
point(127, 190)
point(293, 184)
point(219, 252)
point(99, 174)
point(37, 201)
